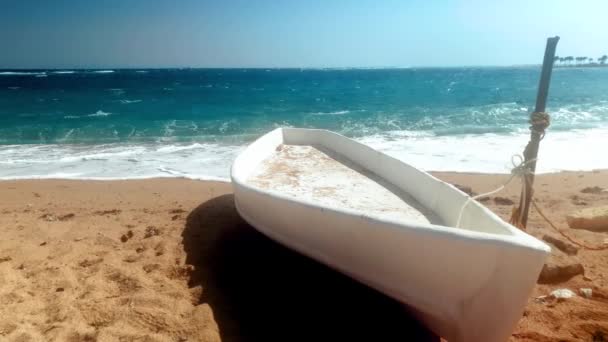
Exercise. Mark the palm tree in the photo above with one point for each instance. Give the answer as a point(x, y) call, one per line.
point(590, 60)
point(580, 59)
point(603, 59)
point(569, 59)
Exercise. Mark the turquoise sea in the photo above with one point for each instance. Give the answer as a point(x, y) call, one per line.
point(192, 122)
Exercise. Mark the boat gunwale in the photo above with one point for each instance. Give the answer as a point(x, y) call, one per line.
point(515, 238)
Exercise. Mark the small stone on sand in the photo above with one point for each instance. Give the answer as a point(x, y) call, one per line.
point(586, 292)
point(562, 294)
point(594, 219)
point(555, 273)
point(503, 201)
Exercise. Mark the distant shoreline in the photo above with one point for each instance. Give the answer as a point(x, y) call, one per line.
point(594, 65)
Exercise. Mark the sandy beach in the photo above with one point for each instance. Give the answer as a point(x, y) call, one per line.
point(171, 260)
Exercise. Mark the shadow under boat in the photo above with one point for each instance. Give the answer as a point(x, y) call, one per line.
point(261, 291)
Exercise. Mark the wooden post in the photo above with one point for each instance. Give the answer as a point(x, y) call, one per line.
point(531, 151)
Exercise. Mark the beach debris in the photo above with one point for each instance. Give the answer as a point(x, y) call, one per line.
point(503, 201)
point(59, 289)
point(594, 219)
point(66, 217)
point(586, 292)
point(52, 217)
point(576, 200)
point(49, 217)
point(562, 294)
point(175, 217)
point(585, 278)
point(90, 262)
point(151, 231)
point(177, 211)
point(483, 199)
point(559, 295)
point(593, 190)
point(139, 249)
point(6, 258)
point(554, 273)
point(108, 212)
point(561, 245)
point(466, 189)
point(43, 243)
point(36, 194)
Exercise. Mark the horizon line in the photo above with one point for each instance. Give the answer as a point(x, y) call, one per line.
point(272, 68)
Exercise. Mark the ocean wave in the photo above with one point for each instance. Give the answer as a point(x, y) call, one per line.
point(71, 117)
point(177, 148)
point(129, 101)
point(21, 73)
point(170, 171)
point(338, 112)
point(13, 88)
point(99, 113)
point(141, 71)
point(102, 71)
point(465, 153)
point(61, 72)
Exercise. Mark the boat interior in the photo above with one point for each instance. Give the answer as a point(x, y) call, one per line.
point(321, 176)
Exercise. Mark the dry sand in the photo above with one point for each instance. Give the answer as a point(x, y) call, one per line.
point(170, 260)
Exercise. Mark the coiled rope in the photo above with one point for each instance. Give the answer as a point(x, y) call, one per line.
point(539, 122)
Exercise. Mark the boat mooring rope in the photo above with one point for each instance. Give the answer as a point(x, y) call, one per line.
point(520, 169)
point(580, 244)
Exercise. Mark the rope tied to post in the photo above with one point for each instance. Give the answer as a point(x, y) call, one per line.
point(539, 122)
point(520, 169)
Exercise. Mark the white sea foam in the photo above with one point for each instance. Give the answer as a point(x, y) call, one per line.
point(64, 72)
point(339, 112)
point(99, 113)
point(21, 73)
point(117, 161)
point(129, 101)
point(103, 71)
point(565, 150)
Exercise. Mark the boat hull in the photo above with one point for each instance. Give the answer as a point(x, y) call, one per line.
point(466, 285)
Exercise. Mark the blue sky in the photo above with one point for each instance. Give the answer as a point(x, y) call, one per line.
point(297, 33)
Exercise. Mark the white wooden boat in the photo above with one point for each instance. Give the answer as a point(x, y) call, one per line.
point(392, 227)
